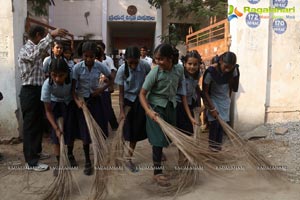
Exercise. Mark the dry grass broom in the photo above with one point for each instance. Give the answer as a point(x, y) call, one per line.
point(64, 184)
point(99, 187)
point(256, 159)
point(117, 147)
point(200, 160)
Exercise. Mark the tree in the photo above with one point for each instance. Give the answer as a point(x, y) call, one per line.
point(40, 7)
point(199, 8)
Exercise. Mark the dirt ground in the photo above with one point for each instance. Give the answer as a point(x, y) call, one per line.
point(17, 183)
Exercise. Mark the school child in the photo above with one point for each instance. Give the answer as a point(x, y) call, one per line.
point(158, 97)
point(58, 102)
point(56, 52)
point(130, 78)
point(218, 82)
point(85, 84)
point(192, 75)
point(68, 55)
point(109, 63)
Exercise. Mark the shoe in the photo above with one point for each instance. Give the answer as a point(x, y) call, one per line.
point(88, 169)
point(72, 161)
point(132, 167)
point(44, 156)
point(40, 167)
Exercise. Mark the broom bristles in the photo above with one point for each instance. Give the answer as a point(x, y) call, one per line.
point(62, 186)
point(99, 187)
point(256, 159)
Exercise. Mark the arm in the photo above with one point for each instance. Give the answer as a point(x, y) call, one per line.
point(42, 46)
point(207, 101)
point(187, 109)
point(153, 115)
point(51, 119)
point(78, 102)
point(121, 101)
point(234, 81)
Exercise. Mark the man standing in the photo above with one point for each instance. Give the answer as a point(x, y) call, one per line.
point(144, 56)
point(30, 61)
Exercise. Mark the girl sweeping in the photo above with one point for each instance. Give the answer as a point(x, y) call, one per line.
point(192, 75)
point(218, 82)
point(158, 97)
point(130, 78)
point(85, 84)
point(57, 97)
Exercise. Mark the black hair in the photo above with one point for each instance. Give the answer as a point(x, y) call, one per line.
point(166, 50)
point(89, 46)
point(55, 42)
point(131, 52)
point(215, 59)
point(102, 45)
point(59, 65)
point(100, 52)
point(193, 54)
point(34, 30)
point(228, 58)
point(144, 47)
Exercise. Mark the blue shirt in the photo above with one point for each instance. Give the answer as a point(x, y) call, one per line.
point(133, 83)
point(88, 81)
point(56, 93)
point(219, 95)
point(191, 85)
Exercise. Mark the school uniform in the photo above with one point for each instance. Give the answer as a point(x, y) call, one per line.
point(62, 105)
point(47, 63)
point(135, 123)
point(219, 91)
point(106, 96)
point(182, 120)
point(162, 87)
point(87, 82)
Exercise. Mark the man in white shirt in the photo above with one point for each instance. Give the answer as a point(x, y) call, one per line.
point(144, 56)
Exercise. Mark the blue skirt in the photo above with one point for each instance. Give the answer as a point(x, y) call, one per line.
point(182, 120)
point(134, 129)
point(68, 113)
point(97, 109)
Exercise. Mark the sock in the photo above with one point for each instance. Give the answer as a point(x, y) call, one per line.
point(86, 148)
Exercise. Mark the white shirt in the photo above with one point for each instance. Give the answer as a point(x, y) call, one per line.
point(148, 59)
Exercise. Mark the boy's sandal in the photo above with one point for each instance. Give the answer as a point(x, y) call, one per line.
point(161, 180)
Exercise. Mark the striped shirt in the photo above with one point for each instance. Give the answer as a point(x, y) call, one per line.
point(31, 61)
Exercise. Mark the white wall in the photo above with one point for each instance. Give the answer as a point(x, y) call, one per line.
point(119, 7)
point(269, 66)
point(70, 15)
point(11, 36)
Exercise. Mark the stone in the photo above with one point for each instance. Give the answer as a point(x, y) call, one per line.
point(281, 131)
point(258, 132)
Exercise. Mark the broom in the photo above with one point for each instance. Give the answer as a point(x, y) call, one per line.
point(256, 159)
point(99, 187)
point(62, 186)
point(118, 144)
point(199, 158)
